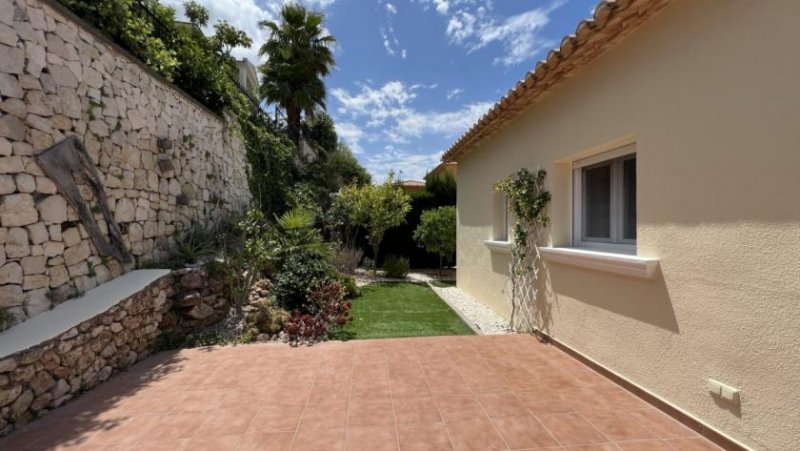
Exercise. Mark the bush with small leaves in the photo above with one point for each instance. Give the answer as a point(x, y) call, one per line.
point(396, 267)
point(299, 273)
point(351, 289)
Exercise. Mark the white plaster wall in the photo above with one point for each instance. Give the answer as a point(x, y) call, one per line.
point(709, 89)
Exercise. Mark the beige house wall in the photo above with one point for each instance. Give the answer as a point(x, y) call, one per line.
point(709, 90)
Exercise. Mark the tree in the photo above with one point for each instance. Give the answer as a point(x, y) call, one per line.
point(207, 67)
point(298, 57)
point(379, 208)
point(437, 232)
point(196, 13)
point(226, 37)
point(331, 165)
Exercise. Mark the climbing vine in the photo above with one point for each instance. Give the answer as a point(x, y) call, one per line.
point(527, 199)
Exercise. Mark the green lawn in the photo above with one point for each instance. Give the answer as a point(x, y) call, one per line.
point(387, 310)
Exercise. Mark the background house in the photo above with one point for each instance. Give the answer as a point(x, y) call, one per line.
point(412, 186)
point(669, 134)
point(248, 76)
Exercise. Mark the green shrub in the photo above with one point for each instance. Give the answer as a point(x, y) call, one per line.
point(351, 289)
point(396, 267)
point(300, 272)
point(267, 318)
point(139, 33)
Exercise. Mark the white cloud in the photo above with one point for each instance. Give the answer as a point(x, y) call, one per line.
point(443, 123)
point(388, 36)
point(390, 108)
point(376, 104)
point(471, 25)
point(461, 26)
point(405, 165)
point(454, 93)
point(245, 15)
point(351, 134)
point(444, 6)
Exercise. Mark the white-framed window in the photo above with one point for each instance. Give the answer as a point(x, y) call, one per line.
point(604, 201)
point(500, 222)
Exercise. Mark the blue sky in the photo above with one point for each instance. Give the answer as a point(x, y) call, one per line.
point(413, 75)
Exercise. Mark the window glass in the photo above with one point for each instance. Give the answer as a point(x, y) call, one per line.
point(629, 199)
point(500, 219)
point(597, 202)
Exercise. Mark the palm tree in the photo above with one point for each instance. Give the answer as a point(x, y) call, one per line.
point(298, 57)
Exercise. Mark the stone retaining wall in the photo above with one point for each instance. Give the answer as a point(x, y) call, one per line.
point(43, 377)
point(164, 160)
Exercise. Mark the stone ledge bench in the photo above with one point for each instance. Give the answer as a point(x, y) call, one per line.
point(46, 360)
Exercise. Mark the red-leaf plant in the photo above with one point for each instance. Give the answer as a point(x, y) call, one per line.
point(325, 310)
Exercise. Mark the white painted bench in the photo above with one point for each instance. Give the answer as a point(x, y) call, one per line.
point(71, 313)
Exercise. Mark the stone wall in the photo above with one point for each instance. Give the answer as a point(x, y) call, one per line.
point(39, 379)
point(45, 376)
point(163, 159)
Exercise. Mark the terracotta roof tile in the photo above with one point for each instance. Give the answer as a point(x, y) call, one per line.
point(613, 19)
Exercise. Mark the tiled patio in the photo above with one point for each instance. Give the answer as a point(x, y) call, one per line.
point(462, 393)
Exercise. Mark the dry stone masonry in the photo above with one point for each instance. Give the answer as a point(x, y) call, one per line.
point(46, 376)
point(36, 380)
point(163, 159)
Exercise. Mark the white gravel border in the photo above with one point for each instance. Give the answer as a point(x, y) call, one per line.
point(477, 315)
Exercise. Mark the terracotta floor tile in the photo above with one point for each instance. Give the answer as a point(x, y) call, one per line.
point(523, 432)
point(208, 400)
point(325, 415)
point(423, 437)
point(371, 438)
point(239, 398)
point(120, 432)
point(415, 386)
point(318, 439)
point(372, 390)
point(502, 404)
point(475, 434)
point(618, 398)
point(662, 424)
point(175, 426)
point(149, 445)
point(416, 410)
point(571, 429)
point(267, 441)
point(202, 442)
point(692, 444)
point(459, 407)
point(544, 402)
point(228, 421)
point(618, 425)
point(423, 390)
point(644, 445)
point(275, 418)
point(600, 447)
point(368, 412)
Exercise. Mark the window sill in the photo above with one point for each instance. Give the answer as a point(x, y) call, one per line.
point(502, 247)
point(627, 265)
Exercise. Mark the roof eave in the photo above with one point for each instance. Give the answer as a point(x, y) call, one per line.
point(613, 20)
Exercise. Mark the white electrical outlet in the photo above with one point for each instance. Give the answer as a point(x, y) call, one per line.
point(723, 391)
